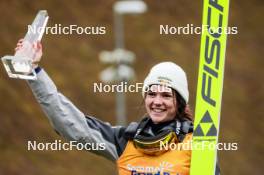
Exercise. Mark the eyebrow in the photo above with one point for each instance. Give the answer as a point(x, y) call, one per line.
point(170, 92)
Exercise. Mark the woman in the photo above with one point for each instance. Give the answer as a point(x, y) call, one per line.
point(142, 147)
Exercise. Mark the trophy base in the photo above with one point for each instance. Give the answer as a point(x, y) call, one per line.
point(19, 67)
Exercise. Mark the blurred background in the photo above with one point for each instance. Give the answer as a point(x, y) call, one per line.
point(72, 61)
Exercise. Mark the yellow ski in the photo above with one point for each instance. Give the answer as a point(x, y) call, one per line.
point(210, 86)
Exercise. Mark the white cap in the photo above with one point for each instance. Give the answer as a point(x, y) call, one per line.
point(168, 74)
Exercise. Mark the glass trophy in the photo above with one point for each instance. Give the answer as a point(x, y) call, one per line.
point(20, 65)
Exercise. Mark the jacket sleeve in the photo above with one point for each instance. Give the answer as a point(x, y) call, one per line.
point(72, 124)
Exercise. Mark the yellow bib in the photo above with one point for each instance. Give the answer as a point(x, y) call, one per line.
point(173, 162)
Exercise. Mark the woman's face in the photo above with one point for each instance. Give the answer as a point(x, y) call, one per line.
point(160, 103)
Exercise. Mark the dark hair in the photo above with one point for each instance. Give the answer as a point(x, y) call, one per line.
point(183, 110)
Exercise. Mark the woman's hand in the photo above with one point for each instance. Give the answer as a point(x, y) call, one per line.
point(34, 49)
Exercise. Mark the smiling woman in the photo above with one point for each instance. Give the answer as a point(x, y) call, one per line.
point(168, 121)
point(160, 105)
point(167, 93)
